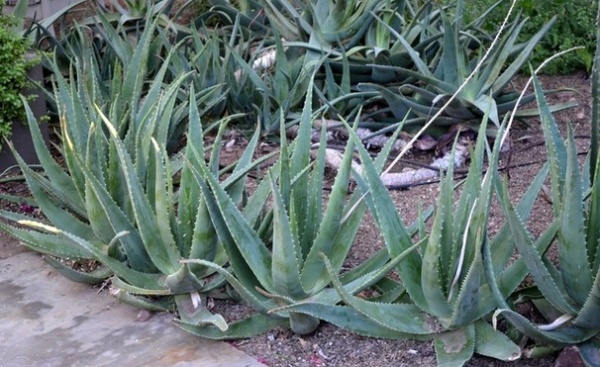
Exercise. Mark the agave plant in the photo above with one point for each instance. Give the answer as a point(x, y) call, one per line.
point(367, 61)
point(321, 23)
point(341, 31)
point(568, 287)
point(247, 14)
point(134, 14)
point(337, 29)
point(436, 82)
point(130, 220)
point(281, 66)
point(275, 257)
point(109, 41)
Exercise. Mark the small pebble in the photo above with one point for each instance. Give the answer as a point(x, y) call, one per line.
point(143, 315)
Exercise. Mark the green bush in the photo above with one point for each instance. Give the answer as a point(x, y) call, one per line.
point(13, 73)
point(575, 26)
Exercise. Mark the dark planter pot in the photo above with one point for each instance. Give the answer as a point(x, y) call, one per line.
point(21, 137)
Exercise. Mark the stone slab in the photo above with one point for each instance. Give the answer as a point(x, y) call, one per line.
point(49, 321)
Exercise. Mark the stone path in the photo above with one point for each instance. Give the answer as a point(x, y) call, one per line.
point(49, 321)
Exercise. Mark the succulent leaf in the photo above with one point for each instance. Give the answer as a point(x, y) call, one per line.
point(254, 298)
point(351, 319)
point(314, 274)
point(563, 336)
point(455, 347)
point(395, 234)
point(163, 254)
point(590, 351)
point(93, 277)
point(572, 246)
point(407, 317)
point(557, 151)
point(193, 314)
point(493, 343)
point(45, 243)
point(532, 258)
point(593, 222)
point(253, 257)
point(285, 268)
point(432, 277)
point(242, 329)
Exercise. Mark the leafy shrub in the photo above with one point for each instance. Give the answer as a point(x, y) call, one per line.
point(575, 26)
point(13, 73)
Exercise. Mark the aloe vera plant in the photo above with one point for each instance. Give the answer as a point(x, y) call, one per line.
point(340, 31)
point(276, 258)
point(120, 198)
point(442, 293)
point(437, 81)
point(268, 94)
point(568, 287)
point(314, 39)
point(380, 57)
point(133, 14)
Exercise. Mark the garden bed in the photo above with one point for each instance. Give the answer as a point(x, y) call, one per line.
point(333, 347)
point(116, 211)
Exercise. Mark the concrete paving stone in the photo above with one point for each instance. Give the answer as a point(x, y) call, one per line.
point(49, 321)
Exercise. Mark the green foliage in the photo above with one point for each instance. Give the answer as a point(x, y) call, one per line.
point(13, 74)
point(435, 82)
point(260, 61)
point(137, 194)
point(568, 293)
point(575, 26)
point(134, 14)
point(442, 293)
point(119, 198)
point(568, 285)
point(399, 59)
point(275, 250)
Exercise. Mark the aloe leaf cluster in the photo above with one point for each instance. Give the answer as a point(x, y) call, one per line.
point(460, 52)
point(444, 293)
point(275, 243)
point(395, 59)
point(170, 228)
point(119, 197)
point(567, 281)
point(401, 59)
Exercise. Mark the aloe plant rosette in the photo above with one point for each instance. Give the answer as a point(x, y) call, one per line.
point(276, 257)
point(435, 82)
point(567, 284)
point(442, 293)
point(119, 198)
